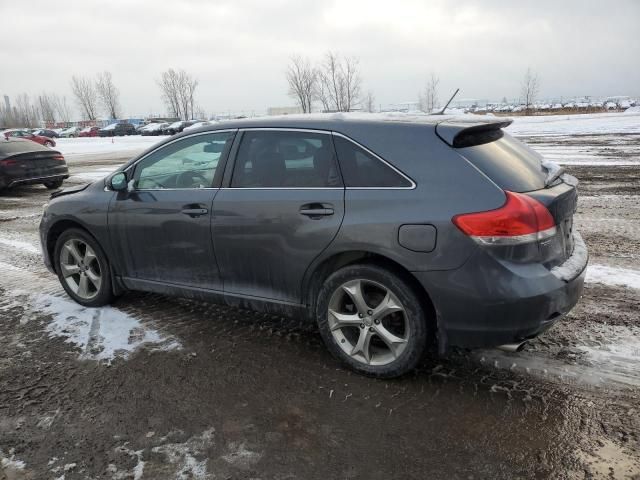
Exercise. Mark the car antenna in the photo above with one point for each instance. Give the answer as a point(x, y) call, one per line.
point(441, 112)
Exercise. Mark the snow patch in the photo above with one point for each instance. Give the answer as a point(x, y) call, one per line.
point(10, 464)
point(93, 175)
point(20, 245)
point(240, 456)
point(102, 333)
point(619, 277)
point(183, 455)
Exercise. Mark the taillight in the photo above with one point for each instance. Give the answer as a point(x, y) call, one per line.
point(58, 157)
point(8, 162)
point(521, 219)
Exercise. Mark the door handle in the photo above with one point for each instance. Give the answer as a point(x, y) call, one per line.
point(316, 210)
point(195, 212)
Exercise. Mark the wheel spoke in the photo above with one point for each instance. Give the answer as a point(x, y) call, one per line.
point(83, 286)
point(354, 290)
point(340, 320)
point(362, 347)
point(392, 341)
point(386, 307)
point(89, 256)
point(72, 248)
point(94, 278)
point(69, 269)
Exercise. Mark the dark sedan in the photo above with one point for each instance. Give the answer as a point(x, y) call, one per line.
point(25, 163)
point(117, 130)
point(45, 132)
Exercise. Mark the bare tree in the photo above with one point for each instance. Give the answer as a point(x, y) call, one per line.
point(178, 92)
point(63, 110)
point(86, 96)
point(369, 102)
point(340, 81)
point(108, 93)
point(302, 79)
point(429, 98)
point(47, 108)
point(25, 113)
point(530, 89)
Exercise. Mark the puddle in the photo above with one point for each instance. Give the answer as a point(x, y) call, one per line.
point(619, 277)
point(605, 360)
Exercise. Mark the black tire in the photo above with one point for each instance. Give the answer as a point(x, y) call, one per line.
point(104, 294)
point(48, 144)
point(414, 317)
point(52, 185)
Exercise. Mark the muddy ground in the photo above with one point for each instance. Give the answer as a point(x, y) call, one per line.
point(189, 390)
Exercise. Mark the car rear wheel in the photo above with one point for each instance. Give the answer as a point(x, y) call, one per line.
point(83, 269)
point(48, 144)
point(53, 184)
point(371, 319)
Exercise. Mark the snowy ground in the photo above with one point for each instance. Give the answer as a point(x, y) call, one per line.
point(155, 388)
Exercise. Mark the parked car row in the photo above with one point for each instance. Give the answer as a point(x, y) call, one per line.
point(614, 104)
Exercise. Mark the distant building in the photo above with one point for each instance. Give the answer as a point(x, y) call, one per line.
point(7, 103)
point(283, 110)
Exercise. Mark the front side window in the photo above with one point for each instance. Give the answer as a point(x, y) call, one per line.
point(277, 159)
point(361, 169)
point(188, 163)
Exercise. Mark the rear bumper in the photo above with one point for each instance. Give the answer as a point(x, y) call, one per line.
point(487, 303)
point(7, 182)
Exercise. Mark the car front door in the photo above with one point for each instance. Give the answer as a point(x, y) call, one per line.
point(282, 206)
point(162, 225)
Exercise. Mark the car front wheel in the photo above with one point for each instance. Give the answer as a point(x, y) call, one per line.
point(371, 319)
point(83, 269)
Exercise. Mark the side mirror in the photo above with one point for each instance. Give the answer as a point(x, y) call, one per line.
point(118, 182)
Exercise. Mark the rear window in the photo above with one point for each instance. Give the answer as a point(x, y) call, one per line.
point(361, 169)
point(509, 163)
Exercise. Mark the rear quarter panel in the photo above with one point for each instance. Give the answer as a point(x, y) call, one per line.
point(446, 185)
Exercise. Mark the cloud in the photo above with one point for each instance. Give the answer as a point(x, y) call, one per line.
point(239, 49)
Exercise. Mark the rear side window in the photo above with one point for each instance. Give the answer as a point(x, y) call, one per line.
point(509, 163)
point(361, 169)
point(272, 159)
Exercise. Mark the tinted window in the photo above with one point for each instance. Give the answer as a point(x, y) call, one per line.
point(285, 159)
point(509, 163)
point(361, 169)
point(187, 163)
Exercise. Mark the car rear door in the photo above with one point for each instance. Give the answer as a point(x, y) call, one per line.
point(282, 206)
point(162, 226)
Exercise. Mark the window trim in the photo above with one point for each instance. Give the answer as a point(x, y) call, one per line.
point(128, 171)
point(233, 154)
point(412, 185)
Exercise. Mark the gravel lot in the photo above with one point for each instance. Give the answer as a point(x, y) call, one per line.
point(158, 387)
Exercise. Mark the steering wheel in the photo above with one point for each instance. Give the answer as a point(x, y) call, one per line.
point(191, 180)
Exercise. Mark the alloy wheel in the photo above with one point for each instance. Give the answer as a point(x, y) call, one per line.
point(80, 268)
point(368, 322)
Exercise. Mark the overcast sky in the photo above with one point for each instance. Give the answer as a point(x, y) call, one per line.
point(239, 49)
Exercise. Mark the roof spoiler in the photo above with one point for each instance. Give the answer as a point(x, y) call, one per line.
point(466, 132)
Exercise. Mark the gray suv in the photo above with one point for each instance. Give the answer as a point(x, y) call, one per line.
point(396, 234)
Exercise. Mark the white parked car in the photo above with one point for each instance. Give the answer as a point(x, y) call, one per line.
point(70, 132)
point(611, 106)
